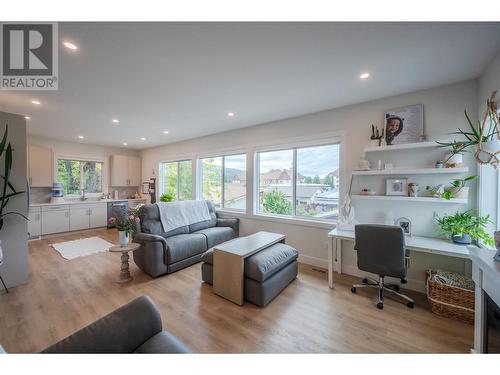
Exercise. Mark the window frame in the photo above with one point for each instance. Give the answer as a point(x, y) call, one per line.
point(161, 177)
point(80, 159)
point(334, 140)
point(199, 178)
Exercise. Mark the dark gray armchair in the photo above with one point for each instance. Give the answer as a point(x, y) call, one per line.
point(166, 252)
point(133, 328)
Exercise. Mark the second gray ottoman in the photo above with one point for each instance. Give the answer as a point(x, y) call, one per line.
point(267, 273)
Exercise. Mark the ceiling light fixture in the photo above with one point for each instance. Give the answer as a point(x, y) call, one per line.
point(36, 102)
point(81, 137)
point(70, 46)
point(364, 75)
point(125, 143)
point(143, 139)
point(115, 120)
point(165, 132)
point(27, 117)
point(230, 114)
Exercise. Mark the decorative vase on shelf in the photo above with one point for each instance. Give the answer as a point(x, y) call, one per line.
point(453, 160)
point(460, 192)
point(374, 142)
point(123, 238)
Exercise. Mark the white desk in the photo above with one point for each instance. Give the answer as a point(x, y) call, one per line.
point(413, 243)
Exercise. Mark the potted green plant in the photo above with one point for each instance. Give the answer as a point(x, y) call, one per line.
point(465, 227)
point(485, 135)
point(458, 188)
point(167, 197)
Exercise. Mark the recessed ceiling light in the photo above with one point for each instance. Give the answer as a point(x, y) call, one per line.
point(143, 139)
point(364, 75)
point(36, 102)
point(125, 143)
point(165, 132)
point(27, 117)
point(81, 137)
point(115, 120)
point(70, 45)
point(230, 114)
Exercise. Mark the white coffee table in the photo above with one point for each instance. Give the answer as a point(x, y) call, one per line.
point(229, 262)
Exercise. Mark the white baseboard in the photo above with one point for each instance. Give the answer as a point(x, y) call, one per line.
point(312, 261)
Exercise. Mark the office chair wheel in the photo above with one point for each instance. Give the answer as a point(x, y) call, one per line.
point(411, 305)
point(353, 289)
point(364, 281)
point(380, 305)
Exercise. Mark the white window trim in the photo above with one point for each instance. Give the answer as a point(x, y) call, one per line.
point(83, 158)
point(199, 178)
point(335, 138)
point(160, 177)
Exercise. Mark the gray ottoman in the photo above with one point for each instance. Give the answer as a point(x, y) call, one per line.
point(267, 272)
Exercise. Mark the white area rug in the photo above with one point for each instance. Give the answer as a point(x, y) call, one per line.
point(80, 248)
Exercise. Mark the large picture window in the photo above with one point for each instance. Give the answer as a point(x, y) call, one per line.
point(76, 175)
point(300, 182)
point(223, 181)
point(176, 179)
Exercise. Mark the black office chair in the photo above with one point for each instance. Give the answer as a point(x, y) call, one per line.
point(381, 250)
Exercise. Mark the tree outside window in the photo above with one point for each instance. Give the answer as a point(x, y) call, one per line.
point(76, 175)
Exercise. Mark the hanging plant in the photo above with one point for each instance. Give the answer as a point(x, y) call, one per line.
point(8, 191)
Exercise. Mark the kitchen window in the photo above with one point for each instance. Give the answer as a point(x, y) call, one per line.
point(76, 175)
point(176, 179)
point(223, 181)
point(301, 182)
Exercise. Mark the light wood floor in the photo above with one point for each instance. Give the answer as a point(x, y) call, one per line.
point(63, 296)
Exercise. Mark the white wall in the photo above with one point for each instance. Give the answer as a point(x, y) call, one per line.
point(443, 112)
point(489, 81)
point(14, 232)
point(82, 150)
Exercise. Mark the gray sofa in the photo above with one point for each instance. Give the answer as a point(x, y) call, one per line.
point(133, 328)
point(166, 252)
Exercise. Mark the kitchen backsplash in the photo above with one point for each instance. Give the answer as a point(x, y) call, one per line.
point(43, 194)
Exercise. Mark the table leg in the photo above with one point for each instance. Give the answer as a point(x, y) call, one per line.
point(229, 276)
point(125, 270)
point(330, 262)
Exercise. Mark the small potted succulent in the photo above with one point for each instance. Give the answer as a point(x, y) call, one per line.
point(126, 226)
point(465, 227)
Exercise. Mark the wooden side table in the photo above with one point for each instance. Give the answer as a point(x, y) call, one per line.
point(125, 276)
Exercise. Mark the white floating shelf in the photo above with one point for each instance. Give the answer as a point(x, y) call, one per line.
point(403, 146)
point(409, 199)
point(410, 171)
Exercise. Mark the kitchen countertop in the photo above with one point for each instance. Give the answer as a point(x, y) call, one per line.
point(88, 201)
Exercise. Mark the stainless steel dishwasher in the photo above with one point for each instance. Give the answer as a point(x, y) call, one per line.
point(117, 209)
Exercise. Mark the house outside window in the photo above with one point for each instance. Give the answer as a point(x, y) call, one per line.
point(176, 179)
point(77, 175)
point(299, 182)
point(223, 181)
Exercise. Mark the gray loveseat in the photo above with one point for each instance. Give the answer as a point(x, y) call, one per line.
point(133, 328)
point(163, 253)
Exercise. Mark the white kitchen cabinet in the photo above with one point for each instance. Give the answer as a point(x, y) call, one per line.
point(79, 218)
point(55, 219)
point(125, 170)
point(134, 171)
point(40, 166)
point(98, 216)
point(34, 222)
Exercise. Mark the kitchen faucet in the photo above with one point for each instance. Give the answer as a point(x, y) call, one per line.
point(82, 194)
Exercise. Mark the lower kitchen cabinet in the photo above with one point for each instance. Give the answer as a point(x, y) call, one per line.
point(34, 222)
point(55, 219)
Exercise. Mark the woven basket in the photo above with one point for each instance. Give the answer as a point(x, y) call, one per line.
point(450, 301)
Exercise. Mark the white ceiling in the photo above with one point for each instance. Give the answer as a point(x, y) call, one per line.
point(185, 78)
